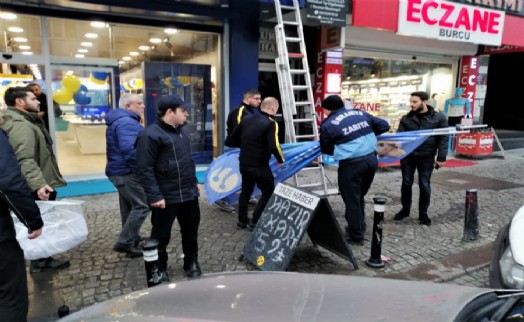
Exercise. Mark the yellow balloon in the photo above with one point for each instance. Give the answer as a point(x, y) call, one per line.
point(71, 82)
point(127, 87)
point(139, 83)
point(62, 96)
point(167, 82)
point(97, 81)
point(185, 79)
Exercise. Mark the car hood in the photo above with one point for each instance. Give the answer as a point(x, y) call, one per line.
point(283, 296)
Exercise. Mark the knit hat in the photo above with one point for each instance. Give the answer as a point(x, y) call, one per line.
point(172, 102)
point(332, 102)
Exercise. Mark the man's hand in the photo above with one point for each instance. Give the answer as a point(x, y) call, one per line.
point(200, 187)
point(43, 193)
point(438, 164)
point(34, 234)
point(159, 204)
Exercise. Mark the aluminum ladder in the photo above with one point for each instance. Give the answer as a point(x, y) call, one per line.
point(298, 107)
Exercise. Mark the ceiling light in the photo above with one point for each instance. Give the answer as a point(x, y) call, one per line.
point(7, 15)
point(20, 39)
point(70, 72)
point(15, 29)
point(24, 47)
point(27, 53)
point(120, 62)
point(86, 44)
point(82, 50)
point(91, 35)
point(33, 65)
point(80, 55)
point(143, 47)
point(170, 31)
point(126, 58)
point(134, 53)
point(155, 40)
point(98, 24)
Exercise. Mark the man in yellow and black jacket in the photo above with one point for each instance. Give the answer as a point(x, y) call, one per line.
point(257, 137)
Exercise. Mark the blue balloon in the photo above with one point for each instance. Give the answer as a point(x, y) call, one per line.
point(82, 88)
point(80, 97)
point(175, 82)
point(99, 75)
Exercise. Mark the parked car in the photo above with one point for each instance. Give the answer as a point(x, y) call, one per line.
point(283, 296)
point(506, 269)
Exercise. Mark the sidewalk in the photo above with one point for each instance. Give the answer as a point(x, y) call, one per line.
point(436, 253)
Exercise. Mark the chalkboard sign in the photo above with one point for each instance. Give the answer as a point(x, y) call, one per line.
point(284, 221)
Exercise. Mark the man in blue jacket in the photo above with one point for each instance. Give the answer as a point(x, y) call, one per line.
point(168, 173)
point(350, 137)
point(122, 131)
point(16, 196)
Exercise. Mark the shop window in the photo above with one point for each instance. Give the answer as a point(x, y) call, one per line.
point(20, 33)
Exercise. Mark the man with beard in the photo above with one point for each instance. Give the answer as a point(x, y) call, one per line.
point(421, 117)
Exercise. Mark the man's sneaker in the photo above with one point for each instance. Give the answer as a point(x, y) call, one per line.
point(131, 251)
point(253, 201)
point(401, 215)
point(241, 225)
point(224, 206)
point(424, 221)
point(47, 264)
point(251, 226)
point(164, 277)
point(358, 242)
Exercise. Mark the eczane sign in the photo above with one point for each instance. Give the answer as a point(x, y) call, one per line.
point(450, 21)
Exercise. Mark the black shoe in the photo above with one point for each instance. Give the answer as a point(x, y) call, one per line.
point(241, 225)
point(357, 242)
point(424, 221)
point(224, 206)
point(138, 241)
point(401, 215)
point(253, 201)
point(164, 277)
point(193, 269)
point(251, 226)
point(131, 251)
point(47, 264)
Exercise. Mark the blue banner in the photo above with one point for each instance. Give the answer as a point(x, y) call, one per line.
point(223, 179)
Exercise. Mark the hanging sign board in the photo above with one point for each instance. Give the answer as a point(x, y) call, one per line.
point(327, 12)
point(289, 214)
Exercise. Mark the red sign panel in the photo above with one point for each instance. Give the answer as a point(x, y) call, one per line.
point(469, 72)
point(328, 79)
point(478, 143)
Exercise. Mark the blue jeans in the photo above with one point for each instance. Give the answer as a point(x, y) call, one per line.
point(424, 166)
point(133, 208)
point(354, 180)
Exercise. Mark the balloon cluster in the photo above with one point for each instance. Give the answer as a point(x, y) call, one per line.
point(134, 84)
point(72, 90)
point(177, 81)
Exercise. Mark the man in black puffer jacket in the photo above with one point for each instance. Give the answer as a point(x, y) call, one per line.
point(167, 171)
point(422, 159)
point(16, 196)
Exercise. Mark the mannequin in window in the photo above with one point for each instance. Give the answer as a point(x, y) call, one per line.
point(457, 108)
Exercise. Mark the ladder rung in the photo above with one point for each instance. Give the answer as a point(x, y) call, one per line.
point(287, 7)
point(290, 23)
point(329, 192)
point(305, 136)
point(306, 185)
point(300, 87)
point(303, 103)
point(297, 71)
point(302, 120)
point(293, 39)
point(316, 168)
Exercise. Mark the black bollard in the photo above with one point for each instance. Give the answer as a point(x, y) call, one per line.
point(150, 250)
point(471, 217)
point(375, 260)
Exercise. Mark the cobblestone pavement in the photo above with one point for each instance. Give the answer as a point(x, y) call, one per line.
point(435, 253)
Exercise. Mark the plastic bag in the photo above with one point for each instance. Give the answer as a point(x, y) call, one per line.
point(64, 228)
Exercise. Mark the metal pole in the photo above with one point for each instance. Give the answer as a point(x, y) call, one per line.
point(150, 250)
point(471, 217)
point(375, 260)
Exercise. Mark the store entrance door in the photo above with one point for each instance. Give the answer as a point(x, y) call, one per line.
point(82, 96)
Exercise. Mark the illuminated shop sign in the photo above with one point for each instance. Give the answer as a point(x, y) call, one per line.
point(450, 21)
point(515, 7)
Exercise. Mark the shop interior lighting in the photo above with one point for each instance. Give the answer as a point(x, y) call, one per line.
point(86, 44)
point(143, 48)
point(7, 15)
point(20, 39)
point(170, 31)
point(98, 24)
point(91, 35)
point(134, 53)
point(15, 29)
point(155, 40)
point(70, 72)
point(121, 62)
point(126, 58)
point(27, 53)
point(82, 50)
point(80, 55)
point(24, 47)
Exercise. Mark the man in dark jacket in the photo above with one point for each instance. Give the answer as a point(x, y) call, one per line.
point(421, 117)
point(122, 131)
point(167, 171)
point(350, 137)
point(249, 106)
point(257, 137)
point(16, 196)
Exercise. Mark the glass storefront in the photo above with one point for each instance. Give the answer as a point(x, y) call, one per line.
point(87, 65)
point(382, 87)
